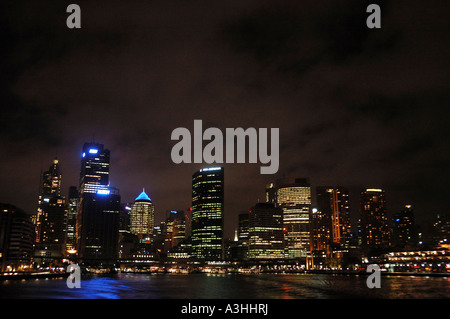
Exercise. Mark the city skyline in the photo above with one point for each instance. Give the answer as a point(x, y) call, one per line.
point(231, 224)
point(356, 107)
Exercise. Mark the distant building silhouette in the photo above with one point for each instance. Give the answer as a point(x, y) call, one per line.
point(17, 235)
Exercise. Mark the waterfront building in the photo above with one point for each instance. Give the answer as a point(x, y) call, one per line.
point(207, 213)
point(330, 225)
point(51, 216)
point(142, 218)
point(293, 196)
point(71, 225)
point(175, 229)
point(242, 250)
point(99, 207)
point(17, 235)
point(265, 232)
point(374, 226)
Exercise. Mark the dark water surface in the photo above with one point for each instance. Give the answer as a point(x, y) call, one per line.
point(229, 286)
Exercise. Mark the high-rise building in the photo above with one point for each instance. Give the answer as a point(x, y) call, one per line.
point(374, 226)
point(242, 252)
point(265, 232)
point(99, 208)
point(51, 215)
point(175, 229)
point(17, 235)
point(320, 224)
point(94, 174)
point(207, 213)
point(71, 227)
point(333, 202)
point(293, 196)
point(142, 218)
point(404, 228)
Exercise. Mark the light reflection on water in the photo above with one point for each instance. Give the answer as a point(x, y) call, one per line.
point(231, 286)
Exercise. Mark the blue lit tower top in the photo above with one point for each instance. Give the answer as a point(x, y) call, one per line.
point(143, 197)
point(94, 174)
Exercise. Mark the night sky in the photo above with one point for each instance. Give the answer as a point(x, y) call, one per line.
point(356, 107)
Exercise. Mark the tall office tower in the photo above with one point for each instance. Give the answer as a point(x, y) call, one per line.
point(207, 213)
point(294, 197)
point(142, 218)
point(94, 174)
point(404, 228)
point(99, 207)
point(333, 202)
point(51, 215)
point(175, 229)
point(320, 235)
point(71, 227)
point(17, 235)
point(265, 232)
point(374, 226)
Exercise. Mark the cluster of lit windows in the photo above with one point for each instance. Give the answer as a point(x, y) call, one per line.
point(142, 217)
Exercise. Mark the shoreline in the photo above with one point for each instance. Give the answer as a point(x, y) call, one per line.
point(324, 272)
point(23, 276)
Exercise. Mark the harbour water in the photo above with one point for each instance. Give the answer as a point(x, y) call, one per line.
point(228, 286)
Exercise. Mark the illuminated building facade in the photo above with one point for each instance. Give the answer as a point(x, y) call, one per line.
point(51, 215)
point(265, 232)
point(320, 235)
point(94, 174)
point(242, 252)
point(175, 229)
point(71, 227)
point(99, 208)
point(374, 226)
point(333, 204)
point(207, 213)
point(293, 196)
point(142, 218)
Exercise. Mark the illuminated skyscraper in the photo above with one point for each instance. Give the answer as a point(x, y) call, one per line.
point(374, 226)
point(142, 218)
point(94, 174)
point(175, 229)
point(294, 197)
point(99, 208)
point(51, 215)
point(207, 213)
point(334, 203)
point(242, 252)
point(71, 227)
point(320, 235)
point(265, 232)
